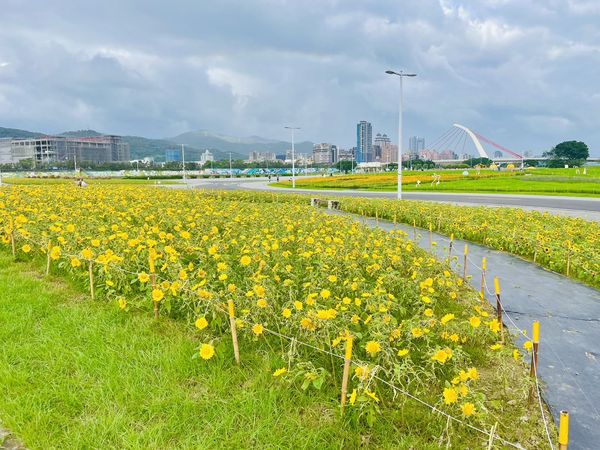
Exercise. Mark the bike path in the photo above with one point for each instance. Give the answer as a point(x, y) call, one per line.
point(569, 316)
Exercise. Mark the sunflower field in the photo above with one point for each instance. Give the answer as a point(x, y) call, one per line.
point(570, 246)
point(298, 284)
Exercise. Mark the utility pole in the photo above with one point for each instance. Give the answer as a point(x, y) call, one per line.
point(230, 169)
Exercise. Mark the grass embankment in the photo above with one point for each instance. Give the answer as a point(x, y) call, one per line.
point(533, 182)
point(319, 280)
point(81, 374)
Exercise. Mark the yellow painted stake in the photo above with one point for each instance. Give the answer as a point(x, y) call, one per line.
point(536, 345)
point(430, 237)
point(236, 348)
point(499, 307)
point(346, 373)
point(414, 230)
point(91, 272)
point(563, 431)
point(465, 255)
point(450, 246)
point(483, 270)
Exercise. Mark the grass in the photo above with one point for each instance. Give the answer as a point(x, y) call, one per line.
point(535, 182)
point(101, 181)
point(82, 374)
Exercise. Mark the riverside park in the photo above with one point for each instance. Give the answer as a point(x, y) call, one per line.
point(218, 312)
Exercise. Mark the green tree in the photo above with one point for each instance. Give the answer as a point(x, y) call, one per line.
point(573, 153)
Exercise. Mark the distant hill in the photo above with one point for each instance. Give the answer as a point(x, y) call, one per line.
point(196, 142)
point(206, 139)
point(18, 134)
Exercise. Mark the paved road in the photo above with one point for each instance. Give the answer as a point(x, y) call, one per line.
point(585, 208)
point(569, 316)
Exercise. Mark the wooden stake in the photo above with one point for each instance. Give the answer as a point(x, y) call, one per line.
point(499, 307)
point(430, 237)
point(483, 270)
point(12, 243)
point(48, 258)
point(563, 431)
point(91, 271)
point(534, 352)
point(155, 303)
point(450, 246)
point(236, 348)
point(465, 254)
point(534, 359)
point(414, 230)
point(568, 261)
point(346, 373)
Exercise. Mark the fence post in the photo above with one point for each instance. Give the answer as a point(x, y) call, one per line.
point(430, 237)
point(232, 324)
point(49, 247)
point(91, 272)
point(465, 255)
point(534, 351)
point(483, 270)
point(346, 373)
point(563, 432)
point(499, 307)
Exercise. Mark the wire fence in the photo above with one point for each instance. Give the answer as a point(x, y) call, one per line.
point(434, 409)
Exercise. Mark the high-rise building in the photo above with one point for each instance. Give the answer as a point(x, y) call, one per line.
point(364, 142)
point(346, 155)
point(173, 155)
point(389, 153)
point(415, 145)
point(262, 157)
point(325, 153)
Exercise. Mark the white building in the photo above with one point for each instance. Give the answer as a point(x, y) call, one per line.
point(207, 156)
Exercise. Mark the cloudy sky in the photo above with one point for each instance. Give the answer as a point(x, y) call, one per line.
point(523, 73)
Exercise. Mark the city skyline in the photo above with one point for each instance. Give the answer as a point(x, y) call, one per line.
point(523, 74)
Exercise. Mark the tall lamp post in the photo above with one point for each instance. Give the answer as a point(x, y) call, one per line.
point(293, 156)
point(400, 75)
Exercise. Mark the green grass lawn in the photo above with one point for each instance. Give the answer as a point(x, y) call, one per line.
point(81, 374)
point(536, 182)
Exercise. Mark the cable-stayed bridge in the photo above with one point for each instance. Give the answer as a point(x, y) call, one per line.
point(457, 143)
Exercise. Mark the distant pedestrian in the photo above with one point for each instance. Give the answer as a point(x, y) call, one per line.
point(278, 178)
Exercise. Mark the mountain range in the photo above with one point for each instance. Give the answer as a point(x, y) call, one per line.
point(195, 141)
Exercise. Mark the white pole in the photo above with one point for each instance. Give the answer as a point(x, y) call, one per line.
point(400, 141)
point(183, 159)
point(293, 163)
point(230, 170)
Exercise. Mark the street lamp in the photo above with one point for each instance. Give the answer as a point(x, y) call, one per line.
point(400, 75)
point(293, 156)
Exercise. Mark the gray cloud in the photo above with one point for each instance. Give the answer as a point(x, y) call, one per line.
point(522, 73)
